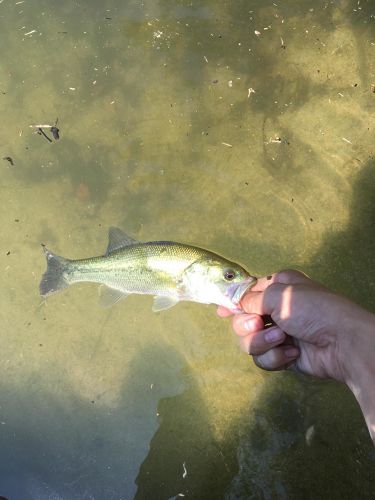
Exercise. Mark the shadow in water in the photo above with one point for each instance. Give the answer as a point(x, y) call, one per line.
point(345, 261)
point(60, 446)
point(185, 458)
point(309, 438)
point(303, 438)
point(301, 446)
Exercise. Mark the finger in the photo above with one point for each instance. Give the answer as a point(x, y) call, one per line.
point(223, 312)
point(258, 343)
point(292, 277)
point(277, 358)
point(253, 302)
point(276, 298)
point(243, 324)
point(287, 276)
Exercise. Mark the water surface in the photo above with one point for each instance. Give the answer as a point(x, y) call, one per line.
point(244, 127)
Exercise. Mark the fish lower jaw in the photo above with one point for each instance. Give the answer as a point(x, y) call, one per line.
point(228, 304)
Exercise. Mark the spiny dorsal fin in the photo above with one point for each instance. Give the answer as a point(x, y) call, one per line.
point(118, 239)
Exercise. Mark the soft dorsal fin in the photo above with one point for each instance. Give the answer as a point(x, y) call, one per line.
point(118, 239)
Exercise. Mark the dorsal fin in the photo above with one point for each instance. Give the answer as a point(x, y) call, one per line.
point(118, 239)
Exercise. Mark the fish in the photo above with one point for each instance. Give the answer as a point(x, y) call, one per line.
point(171, 272)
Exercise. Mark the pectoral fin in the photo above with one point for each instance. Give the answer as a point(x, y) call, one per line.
point(161, 303)
point(109, 296)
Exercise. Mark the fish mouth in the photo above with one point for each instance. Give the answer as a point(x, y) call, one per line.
point(236, 292)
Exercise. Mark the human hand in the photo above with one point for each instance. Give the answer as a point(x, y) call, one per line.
point(313, 326)
point(315, 331)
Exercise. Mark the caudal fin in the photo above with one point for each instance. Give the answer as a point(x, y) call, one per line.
point(53, 279)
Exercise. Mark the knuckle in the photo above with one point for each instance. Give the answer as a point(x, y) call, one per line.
point(272, 294)
point(245, 324)
point(291, 276)
point(238, 325)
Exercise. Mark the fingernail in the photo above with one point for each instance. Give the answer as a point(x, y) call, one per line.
point(291, 352)
point(273, 335)
point(249, 325)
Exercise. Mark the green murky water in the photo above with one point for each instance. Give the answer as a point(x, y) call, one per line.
point(163, 136)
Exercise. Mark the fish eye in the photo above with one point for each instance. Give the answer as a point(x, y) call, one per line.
point(229, 274)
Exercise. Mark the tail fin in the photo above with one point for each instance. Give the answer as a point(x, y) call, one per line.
point(53, 279)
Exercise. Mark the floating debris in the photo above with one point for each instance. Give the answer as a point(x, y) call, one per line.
point(184, 474)
point(40, 126)
point(309, 435)
point(9, 159)
point(250, 91)
point(275, 140)
point(82, 193)
point(40, 131)
point(226, 144)
point(55, 131)
point(346, 140)
point(53, 128)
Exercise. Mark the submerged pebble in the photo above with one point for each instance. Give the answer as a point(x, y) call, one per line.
point(83, 193)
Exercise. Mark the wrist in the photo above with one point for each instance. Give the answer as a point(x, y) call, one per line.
point(359, 365)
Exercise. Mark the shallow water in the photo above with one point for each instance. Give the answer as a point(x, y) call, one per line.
point(161, 136)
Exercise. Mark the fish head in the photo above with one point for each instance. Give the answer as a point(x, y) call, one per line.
point(212, 280)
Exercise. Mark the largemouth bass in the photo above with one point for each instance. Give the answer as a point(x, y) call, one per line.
point(170, 271)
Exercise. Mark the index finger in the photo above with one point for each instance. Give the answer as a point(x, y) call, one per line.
point(287, 276)
point(249, 300)
point(223, 312)
point(277, 297)
point(253, 302)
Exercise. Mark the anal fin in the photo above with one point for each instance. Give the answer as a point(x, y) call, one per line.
point(109, 296)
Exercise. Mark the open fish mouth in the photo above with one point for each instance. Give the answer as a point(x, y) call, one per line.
point(237, 291)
